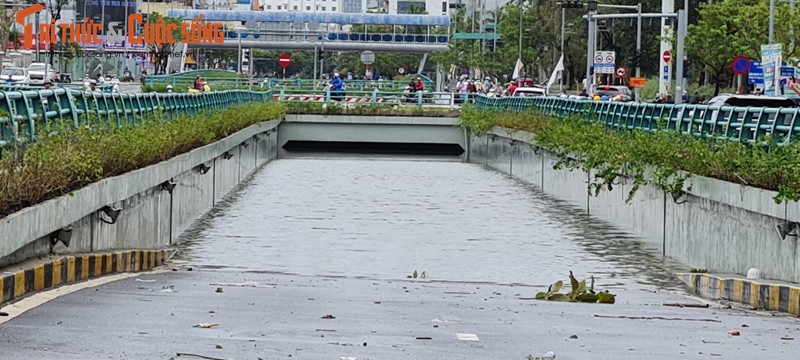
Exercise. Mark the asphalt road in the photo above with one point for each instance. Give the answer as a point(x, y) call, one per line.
point(340, 238)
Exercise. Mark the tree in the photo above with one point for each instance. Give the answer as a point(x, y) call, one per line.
point(54, 7)
point(162, 51)
point(7, 33)
point(728, 28)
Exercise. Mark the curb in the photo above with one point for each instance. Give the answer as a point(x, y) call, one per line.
point(71, 269)
point(773, 297)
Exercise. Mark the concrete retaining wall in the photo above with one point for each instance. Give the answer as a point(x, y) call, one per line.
point(722, 227)
point(151, 217)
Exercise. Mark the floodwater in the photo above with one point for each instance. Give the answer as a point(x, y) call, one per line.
point(386, 217)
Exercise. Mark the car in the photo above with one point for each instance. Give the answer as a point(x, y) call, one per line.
point(725, 107)
point(531, 91)
point(38, 72)
point(614, 92)
point(14, 75)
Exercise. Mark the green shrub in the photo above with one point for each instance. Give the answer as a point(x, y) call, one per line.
point(651, 157)
point(68, 159)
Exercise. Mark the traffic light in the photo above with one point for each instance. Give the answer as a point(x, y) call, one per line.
point(637, 58)
point(591, 70)
point(685, 68)
point(571, 5)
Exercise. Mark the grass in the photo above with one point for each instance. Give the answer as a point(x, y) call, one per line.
point(63, 161)
point(651, 157)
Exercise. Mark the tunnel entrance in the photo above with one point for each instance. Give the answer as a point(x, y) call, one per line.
point(353, 147)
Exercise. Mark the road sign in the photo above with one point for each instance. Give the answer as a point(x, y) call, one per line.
point(740, 65)
point(667, 56)
point(284, 60)
point(638, 82)
point(367, 57)
point(604, 62)
point(755, 74)
point(787, 72)
point(401, 71)
point(620, 71)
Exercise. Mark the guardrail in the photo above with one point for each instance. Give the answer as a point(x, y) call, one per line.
point(183, 80)
point(374, 97)
point(23, 112)
point(743, 124)
point(27, 86)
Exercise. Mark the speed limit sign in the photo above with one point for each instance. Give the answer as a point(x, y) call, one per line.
point(620, 71)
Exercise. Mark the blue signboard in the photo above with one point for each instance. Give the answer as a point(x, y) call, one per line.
point(787, 72)
point(756, 73)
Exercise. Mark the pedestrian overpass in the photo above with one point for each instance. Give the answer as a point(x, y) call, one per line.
point(430, 32)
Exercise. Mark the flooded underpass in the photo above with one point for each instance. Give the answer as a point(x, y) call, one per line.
point(311, 259)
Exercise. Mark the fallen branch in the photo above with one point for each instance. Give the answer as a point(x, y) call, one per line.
point(200, 356)
point(652, 318)
point(687, 305)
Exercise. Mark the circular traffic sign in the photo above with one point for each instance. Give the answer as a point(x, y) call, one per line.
point(284, 60)
point(740, 65)
point(609, 59)
point(620, 71)
point(367, 57)
point(598, 59)
point(401, 71)
point(667, 56)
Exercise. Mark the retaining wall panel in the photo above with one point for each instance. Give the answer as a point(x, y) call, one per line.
point(226, 174)
point(567, 185)
point(192, 197)
point(247, 159)
point(643, 216)
point(143, 223)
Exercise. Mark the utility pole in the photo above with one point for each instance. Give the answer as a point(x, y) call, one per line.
point(638, 55)
point(682, 28)
point(772, 21)
point(519, 53)
point(561, 81)
point(667, 7)
point(591, 22)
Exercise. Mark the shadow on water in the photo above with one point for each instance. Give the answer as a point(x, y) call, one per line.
point(632, 258)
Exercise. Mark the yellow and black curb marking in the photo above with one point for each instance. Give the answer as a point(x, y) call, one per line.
point(773, 297)
point(70, 269)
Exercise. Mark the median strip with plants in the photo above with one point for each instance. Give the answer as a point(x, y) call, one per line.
point(64, 160)
point(646, 157)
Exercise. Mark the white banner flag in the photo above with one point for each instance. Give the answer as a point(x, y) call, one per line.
point(559, 68)
point(517, 69)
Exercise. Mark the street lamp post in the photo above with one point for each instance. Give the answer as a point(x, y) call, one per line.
point(519, 53)
point(771, 21)
point(561, 81)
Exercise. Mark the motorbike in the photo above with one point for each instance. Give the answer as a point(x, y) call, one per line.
point(127, 77)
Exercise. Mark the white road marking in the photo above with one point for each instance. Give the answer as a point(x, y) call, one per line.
point(20, 307)
point(467, 337)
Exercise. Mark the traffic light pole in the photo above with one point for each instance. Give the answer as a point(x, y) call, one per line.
point(638, 55)
point(561, 82)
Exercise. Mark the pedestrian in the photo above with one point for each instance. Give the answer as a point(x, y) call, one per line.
point(198, 83)
point(420, 86)
point(48, 84)
point(337, 87)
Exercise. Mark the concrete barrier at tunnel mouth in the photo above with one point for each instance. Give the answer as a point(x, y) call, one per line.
point(353, 147)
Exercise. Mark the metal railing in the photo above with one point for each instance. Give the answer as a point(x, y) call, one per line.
point(373, 97)
point(23, 113)
point(744, 124)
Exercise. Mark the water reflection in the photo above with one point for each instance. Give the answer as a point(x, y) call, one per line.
point(387, 217)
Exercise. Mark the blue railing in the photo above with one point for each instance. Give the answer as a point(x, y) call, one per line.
point(744, 124)
point(23, 112)
point(352, 37)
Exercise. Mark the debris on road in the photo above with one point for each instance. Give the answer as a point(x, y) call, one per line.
point(424, 338)
point(252, 284)
point(733, 332)
point(168, 288)
point(145, 281)
point(329, 317)
point(219, 290)
point(205, 325)
point(218, 346)
point(787, 338)
point(573, 337)
point(687, 305)
point(578, 293)
point(199, 356)
point(652, 318)
point(348, 358)
point(3, 313)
